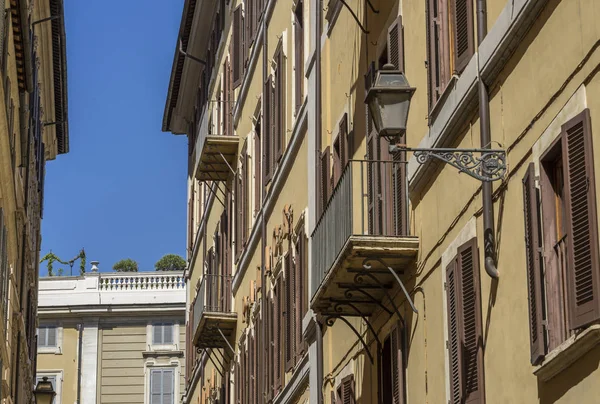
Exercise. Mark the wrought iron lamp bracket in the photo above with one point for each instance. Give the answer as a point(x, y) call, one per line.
point(481, 164)
point(331, 319)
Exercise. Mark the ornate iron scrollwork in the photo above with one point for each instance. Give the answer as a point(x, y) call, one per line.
point(482, 164)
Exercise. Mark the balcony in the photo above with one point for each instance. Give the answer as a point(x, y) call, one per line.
point(215, 155)
point(358, 238)
point(214, 321)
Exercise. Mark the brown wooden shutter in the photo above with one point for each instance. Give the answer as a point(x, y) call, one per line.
point(238, 382)
point(583, 277)
point(454, 331)
point(471, 331)
point(437, 61)
point(299, 54)
point(386, 187)
point(271, 346)
point(252, 373)
point(344, 142)
point(237, 39)
point(245, 194)
point(300, 286)
point(257, 169)
point(268, 130)
point(347, 395)
point(277, 325)
point(289, 325)
point(337, 159)
point(395, 45)
point(464, 41)
point(279, 112)
point(400, 193)
point(239, 213)
point(533, 246)
point(374, 218)
point(397, 362)
point(325, 166)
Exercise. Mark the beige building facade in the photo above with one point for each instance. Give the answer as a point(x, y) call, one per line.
point(33, 129)
point(113, 338)
point(327, 267)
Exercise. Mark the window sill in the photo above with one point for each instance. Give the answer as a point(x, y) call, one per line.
point(568, 353)
point(54, 351)
point(164, 352)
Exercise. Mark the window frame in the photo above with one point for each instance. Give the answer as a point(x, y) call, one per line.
point(175, 366)
point(47, 349)
point(163, 346)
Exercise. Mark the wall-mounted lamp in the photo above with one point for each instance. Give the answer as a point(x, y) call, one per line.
point(44, 392)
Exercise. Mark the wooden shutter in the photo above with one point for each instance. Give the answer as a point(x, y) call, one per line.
point(277, 335)
point(300, 286)
point(346, 389)
point(454, 331)
point(279, 111)
point(471, 337)
point(372, 177)
point(337, 160)
point(155, 386)
point(464, 41)
point(288, 314)
point(437, 40)
point(533, 246)
point(325, 166)
point(245, 195)
point(400, 192)
point(344, 142)
point(257, 169)
point(299, 54)
point(395, 45)
point(397, 362)
point(238, 46)
point(583, 277)
point(268, 130)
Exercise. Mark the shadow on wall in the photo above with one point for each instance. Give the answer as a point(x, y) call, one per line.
point(553, 390)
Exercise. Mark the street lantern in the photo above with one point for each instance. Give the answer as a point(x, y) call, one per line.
point(389, 100)
point(44, 392)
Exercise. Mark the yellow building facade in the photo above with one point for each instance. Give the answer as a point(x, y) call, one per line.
point(327, 265)
point(33, 129)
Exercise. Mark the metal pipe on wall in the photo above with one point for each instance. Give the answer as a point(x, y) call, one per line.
point(80, 346)
point(489, 237)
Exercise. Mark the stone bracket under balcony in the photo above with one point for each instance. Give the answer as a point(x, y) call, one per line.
point(217, 159)
point(207, 333)
point(359, 282)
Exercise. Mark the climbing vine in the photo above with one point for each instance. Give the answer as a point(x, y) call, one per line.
point(52, 258)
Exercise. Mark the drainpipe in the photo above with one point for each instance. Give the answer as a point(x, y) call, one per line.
point(80, 327)
point(263, 224)
point(489, 241)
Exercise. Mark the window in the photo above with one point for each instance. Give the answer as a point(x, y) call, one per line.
point(392, 360)
point(344, 393)
point(47, 337)
point(162, 386)
point(237, 46)
point(448, 21)
point(242, 202)
point(162, 334)
point(465, 351)
point(563, 265)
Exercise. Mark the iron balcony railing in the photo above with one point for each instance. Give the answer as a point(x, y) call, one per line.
point(214, 296)
point(368, 199)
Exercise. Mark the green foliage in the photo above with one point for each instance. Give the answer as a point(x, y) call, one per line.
point(170, 262)
point(126, 265)
point(52, 258)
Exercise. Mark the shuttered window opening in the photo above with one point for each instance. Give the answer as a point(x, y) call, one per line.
point(325, 179)
point(345, 392)
point(162, 334)
point(47, 337)
point(162, 386)
point(465, 351)
point(277, 336)
point(289, 313)
point(299, 54)
point(257, 168)
point(392, 359)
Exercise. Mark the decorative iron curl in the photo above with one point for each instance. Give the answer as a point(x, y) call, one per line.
point(490, 165)
point(330, 321)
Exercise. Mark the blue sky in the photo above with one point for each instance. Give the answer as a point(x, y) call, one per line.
point(121, 190)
